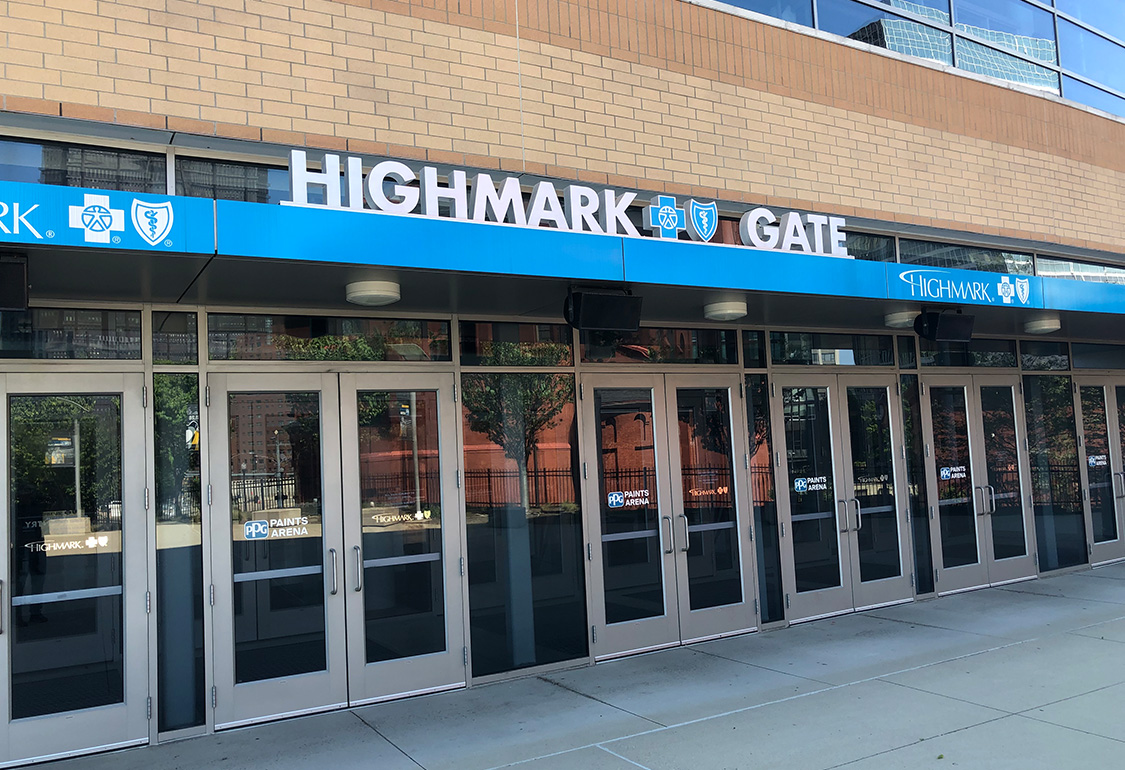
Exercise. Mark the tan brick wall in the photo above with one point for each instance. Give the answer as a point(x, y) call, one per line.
point(648, 93)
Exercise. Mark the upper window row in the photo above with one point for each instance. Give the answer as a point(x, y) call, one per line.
point(1014, 40)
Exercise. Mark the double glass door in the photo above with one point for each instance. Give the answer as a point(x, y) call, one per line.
point(73, 610)
point(1100, 401)
point(668, 536)
point(336, 546)
point(977, 481)
point(843, 516)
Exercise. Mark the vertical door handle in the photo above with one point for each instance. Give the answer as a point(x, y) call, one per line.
point(358, 568)
point(1115, 477)
point(858, 514)
point(844, 503)
point(687, 538)
point(668, 547)
point(335, 578)
point(1, 606)
point(982, 509)
point(991, 498)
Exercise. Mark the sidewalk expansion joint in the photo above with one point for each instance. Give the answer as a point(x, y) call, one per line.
point(613, 706)
point(375, 730)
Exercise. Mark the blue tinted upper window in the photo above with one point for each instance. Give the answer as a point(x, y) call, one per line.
point(796, 11)
point(1091, 55)
point(1077, 91)
point(1011, 24)
point(875, 27)
point(936, 10)
point(1106, 15)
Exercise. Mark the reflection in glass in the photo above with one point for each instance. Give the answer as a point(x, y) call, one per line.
point(515, 344)
point(66, 534)
point(76, 165)
point(979, 352)
point(527, 593)
point(1091, 55)
point(174, 338)
point(983, 60)
point(224, 180)
point(754, 349)
point(934, 10)
point(315, 338)
point(873, 477)
point(964, 257)
point(1095, 436)
point(796, 11)
point(61, 333)
point(869, 247)
point(1044, 355)
point(179, 553)
point(885, 30)
point(1053, 267)
point(707, 479)
point(1103, 14)
point(1091, 355)
point(1001, 455)
point(276, 493)
point(764, 495)
point(1084, 93)
point(916, 483)
point(813, 349)
point(957, 497)
point(1011, 24)
point(812, 501)
point(1060, 529)
point(668, 346)
point(907, 353)
point(628, 498)
point(400, 495)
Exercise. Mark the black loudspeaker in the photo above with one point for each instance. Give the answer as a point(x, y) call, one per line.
point(944, 327)
point(602, 311)
point(13, 282)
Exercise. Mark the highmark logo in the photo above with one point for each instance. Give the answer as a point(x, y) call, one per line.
point(938, 285)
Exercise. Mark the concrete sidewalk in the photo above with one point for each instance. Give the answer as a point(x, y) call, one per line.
point(1026, 676)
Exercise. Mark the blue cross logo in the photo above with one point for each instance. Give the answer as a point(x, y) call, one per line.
point(664, 218)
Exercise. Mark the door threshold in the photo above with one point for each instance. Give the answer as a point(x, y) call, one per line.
point(964, 590)
point(723, 635)
point(275, 717)
point(1014, 580)
point(77, 753)
point(881, 605)
point(822, 616)
point(410, 694)
point(637, 651)
point(1107, 562)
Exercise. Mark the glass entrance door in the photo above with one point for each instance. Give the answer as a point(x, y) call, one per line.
point(336, 535)
point(1103, 480)
point(976, 472)
point(73, 619)
point(669, 564)
point(843, 517)
point(403, 547)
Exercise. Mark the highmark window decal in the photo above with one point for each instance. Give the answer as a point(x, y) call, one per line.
point(389, 188)
point(941, 285)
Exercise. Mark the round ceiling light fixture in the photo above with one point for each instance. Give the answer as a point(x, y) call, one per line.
point(728, 310)
point(1043, 324)
point(373, 293)
point(900, 319)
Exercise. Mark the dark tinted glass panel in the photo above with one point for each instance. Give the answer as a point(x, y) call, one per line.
point(175, 339)
point(999, 353)
point(703, 419)
point(1001, 456)
point(179, 552)
point(964, 257)
point(71, 334)
point(629, 500)
point(754, 349)
point(1055, 478)
point(1095, 443)
point(199, 178)
point(1090, 355)
point(527, 592)
point(812, 501)
point(872, 248)
point(1044, 355)
point(1084, 93)
point(907, 353)
point(873, 476)
point(66, 533)
point(276, 494)
point(957, 503)
point(831, 349)
point(983, 60)
point(1106, 15)
point(885, 30)
point(1090, 55)
point(400, 495)
point(515, 344)
point(916, 483)
point(1051, 267)
point(669, 346)
point(796, 11)
point(1011, 24)
point(311, 338)
point(763, 493)
point(81, 166)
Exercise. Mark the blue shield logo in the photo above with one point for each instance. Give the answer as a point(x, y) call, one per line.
point(616, 499)
point(152, 221)
point(256, 530)
point(703, 220)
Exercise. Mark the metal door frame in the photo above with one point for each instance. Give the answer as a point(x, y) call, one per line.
point(1109, 550)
